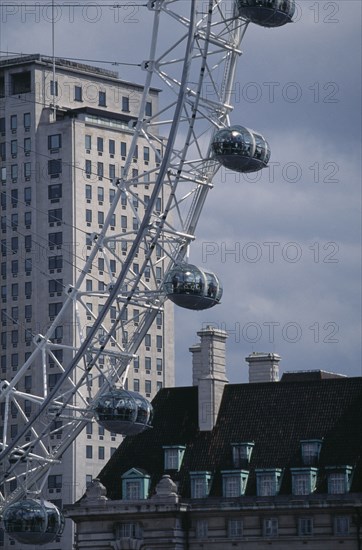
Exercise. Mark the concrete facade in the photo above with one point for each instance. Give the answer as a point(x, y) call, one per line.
point(86, 130)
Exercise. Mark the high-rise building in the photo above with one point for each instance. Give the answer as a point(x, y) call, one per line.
point(65, 132)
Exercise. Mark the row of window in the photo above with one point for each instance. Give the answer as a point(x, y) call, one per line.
point(270, 527)
point(14, 197)
point(14, 291)
point(100, 148)
point(15, 122)
point(14, 148)
point(55, 168)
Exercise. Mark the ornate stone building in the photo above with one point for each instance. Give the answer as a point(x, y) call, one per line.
point(242, 465)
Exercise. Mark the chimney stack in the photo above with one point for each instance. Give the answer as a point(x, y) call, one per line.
point(263, 367)
point(209, 374)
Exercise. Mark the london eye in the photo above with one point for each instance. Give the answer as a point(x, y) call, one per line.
point(193, 135)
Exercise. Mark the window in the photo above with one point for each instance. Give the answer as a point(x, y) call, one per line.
point(234, 482)
point(88, 216)
point(148, 341)
point(129, 530)
point(148, 387)
point(88, 192)
point(148, 363)
point(55, 482)
point(148, 111)
point(53, 88)
point(27, 195)
point(101, 453)
point(159, 342)
point(27, 146)
point(111, 147)
point(78, 93)
point(14, 197)
point(267, 482)
point(27, 170)
point(125, 104)
point(88, 480)
point(112, 171)
point(124, 222)
point(54, 167)
point(54, 141)
point(102, 99)
point(202, 528)
point(14, 172)
point(14, 267)
point(100, 169)
point(55, 239)
point(310, 451)
point(303, 480)
point(13, 123)
point(305, 527)
point(55, 191)
point(123, 149)
point(28, 265)
point(100, 218)
point(235, 528)
point(54, 308)
point(28, 289)
point(270, 527)
point(20, 82)
point(88, 142)
point(53, 379)
point(100, 194)
point(55, 262)
point(339, 479)
point(173, 456)
point(15, 291)
point(27, 219)
point(55, 215)
point(27, 121)
point(159, 366)
point(200, 484)
point(136, 385)
point(135, 484)
point(55, 286)
point(341, 525)
point(100, 144)
point(89, 451)
point(136, 363)
point(146, 154)
point(13, 149)
point(14, 220)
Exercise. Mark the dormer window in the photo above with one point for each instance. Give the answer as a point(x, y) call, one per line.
point(304, 480)
point(200, 484)
point(173, 455)
point(310, 451)
point(339, 479)
point(234, 482)
point(268, 481)
point(241, 453)
point(135, 484)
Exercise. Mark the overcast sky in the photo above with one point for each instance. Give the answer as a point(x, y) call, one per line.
point(286, 242)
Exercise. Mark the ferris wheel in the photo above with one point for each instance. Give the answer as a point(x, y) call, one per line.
point(196, 63)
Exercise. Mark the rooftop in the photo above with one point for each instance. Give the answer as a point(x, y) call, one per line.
point(276, 417)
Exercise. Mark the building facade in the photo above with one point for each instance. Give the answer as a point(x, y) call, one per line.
point(65, 133)
point(279, 464)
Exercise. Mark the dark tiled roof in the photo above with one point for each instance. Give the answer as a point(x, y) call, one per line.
point(298, 376)
point(275, 416)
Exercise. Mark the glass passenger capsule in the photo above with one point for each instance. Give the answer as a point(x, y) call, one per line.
point(190, 287)
point(123, 412)
point(267, 13)
point(240, 149)
point(33, 521)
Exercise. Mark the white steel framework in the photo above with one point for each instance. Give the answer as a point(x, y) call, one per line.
point(196, 65)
